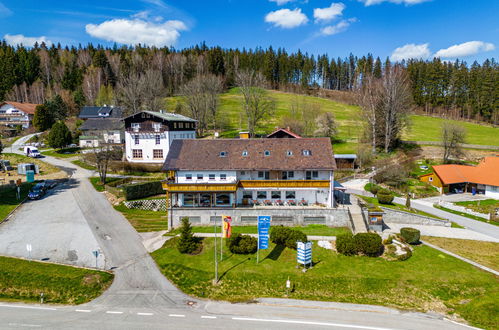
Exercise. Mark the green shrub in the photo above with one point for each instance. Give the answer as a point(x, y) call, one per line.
point(345, 244)
point(367, 243)
point(384, 197)
point(142, 190)
point(242, 244)
point(374, 189)
point(388, 241)
point(407, 255)
point(286, 236)
point(187, 243)
point(410, 235)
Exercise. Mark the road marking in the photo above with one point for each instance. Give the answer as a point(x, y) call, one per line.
point(176, 315)
point(146, 314)
point(339, 325)
point(83, 310)
point(208, 317)
point(113, 312)
point(30, 307)
point(24, 325)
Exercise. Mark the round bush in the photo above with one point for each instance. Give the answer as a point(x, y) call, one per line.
point(410, 235)
point(287, 236)
point(242, 244)
point(368, 243)
point(293, 237)
point(384, 197)
point(345, 244)
point(374, 189)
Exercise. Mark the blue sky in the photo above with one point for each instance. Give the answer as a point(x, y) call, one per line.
point(467, 29)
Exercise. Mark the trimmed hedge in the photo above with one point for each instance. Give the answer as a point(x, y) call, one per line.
point(345, 244)
point(410, 235)
point(365, 243)
point(142, 190)
point(286, 236)
point(242, 244)
point(385, 197)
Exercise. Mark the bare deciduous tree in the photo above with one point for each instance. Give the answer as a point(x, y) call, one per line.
point(325, 125)
point(129, 92)
point(257, 102)
point(453, 136)
point(103, 154)
point(368, 97)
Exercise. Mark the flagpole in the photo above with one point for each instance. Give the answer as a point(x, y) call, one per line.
point(216, 260)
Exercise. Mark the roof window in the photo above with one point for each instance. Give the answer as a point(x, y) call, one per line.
point(289, 153)
point(223, 153)
point(266, 153)
point(306, 152)
point(245, 153)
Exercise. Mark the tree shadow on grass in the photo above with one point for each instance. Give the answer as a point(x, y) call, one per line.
point(275, 253)
point(231, 268)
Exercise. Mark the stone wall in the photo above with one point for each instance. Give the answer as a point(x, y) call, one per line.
point(395, 216)
point(463, 209)
point(280, 216)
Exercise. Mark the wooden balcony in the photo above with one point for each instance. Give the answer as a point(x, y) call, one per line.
point(199, 187)
point(284, 183)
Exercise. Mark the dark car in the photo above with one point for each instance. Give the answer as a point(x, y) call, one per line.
point(37, 191)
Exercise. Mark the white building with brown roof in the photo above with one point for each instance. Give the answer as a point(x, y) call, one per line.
point(228, 173)
point(17, 113)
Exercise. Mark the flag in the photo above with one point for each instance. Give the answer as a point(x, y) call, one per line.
point(226, 228)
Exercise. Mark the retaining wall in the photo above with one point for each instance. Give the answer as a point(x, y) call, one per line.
point(463, 209)
point(395, 216)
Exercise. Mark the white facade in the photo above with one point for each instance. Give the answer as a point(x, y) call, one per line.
point(10, 115)
point(152, 147)
point(492, 191)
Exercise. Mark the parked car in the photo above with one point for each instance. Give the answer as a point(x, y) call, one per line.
point(37, 191)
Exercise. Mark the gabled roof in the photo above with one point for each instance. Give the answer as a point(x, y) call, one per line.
point(101, 124)
point(165, 116)
point(100, 112)
point(206, 154)
point(28, 108)
point(486, 172)
point(280, 132)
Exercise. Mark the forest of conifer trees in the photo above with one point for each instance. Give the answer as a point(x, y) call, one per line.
point(140, 77)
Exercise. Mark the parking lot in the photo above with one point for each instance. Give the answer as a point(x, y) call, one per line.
point(55, 228)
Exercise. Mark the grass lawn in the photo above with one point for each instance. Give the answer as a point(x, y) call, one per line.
point(485, 253)
point(8, 199)
point(144, 221)
point(466, 215)
point(45, 168)
point(317, 230)
point(22, 280)
point(484, 206)
point(456, 225)
point(95, 181)
point(429, 280)
point(231, 117)
point(399, 207)
point(62, 153)
point(84, 165)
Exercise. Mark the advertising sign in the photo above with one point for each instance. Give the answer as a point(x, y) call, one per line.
point(304, 255)
point(263, 231)
point(226, 228)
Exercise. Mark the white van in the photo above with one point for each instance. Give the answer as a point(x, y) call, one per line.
point(32, 152)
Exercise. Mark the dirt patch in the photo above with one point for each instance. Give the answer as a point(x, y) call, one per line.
point(91, 279)
point(469, 154)
point(113, 199)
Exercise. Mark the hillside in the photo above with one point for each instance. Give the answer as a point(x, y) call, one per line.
point(231, 119)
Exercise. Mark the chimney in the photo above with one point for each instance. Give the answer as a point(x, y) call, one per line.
point(244, 135)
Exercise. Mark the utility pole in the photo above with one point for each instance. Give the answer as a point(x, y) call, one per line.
point(216, 259)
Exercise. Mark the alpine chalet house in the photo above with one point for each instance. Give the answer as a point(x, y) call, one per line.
point(149, 134)
point(97, 112)
point(289, 179)
point(16, 113)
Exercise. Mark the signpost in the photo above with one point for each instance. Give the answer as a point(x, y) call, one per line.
point(304, 255)
point(29, 248)
point(96, 255)
point(226, 231)
point(263, 234)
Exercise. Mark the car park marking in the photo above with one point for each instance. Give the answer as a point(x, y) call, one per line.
point(114, 312)
point(145, 314)
point(176, 315)
point(83, 310)
point(208, 317)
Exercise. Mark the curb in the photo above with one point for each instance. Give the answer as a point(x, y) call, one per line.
point(14, 210)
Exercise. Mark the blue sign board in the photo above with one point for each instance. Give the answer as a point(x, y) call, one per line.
point(304, 250)
point(263, 231)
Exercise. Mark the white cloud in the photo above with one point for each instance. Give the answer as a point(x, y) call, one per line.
point(4, 11)
point(286, 18)
point(329, 13)
point(337, 28)
point(465, 49)
point(281, 2)
point(411, 51)
point(18, 39)
point(135, 31)
point(405, 2)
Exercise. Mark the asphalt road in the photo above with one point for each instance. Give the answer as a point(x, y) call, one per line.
point(142, 298)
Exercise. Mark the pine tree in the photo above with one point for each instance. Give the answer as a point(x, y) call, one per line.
point(43, 119)
point(186, 243)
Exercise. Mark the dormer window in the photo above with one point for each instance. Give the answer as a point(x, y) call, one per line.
point(245, 153)
point(157, 127)
point(266, 153)
point(223, 153)
point(306, 152)
point(289, 153)
point(135, 127)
